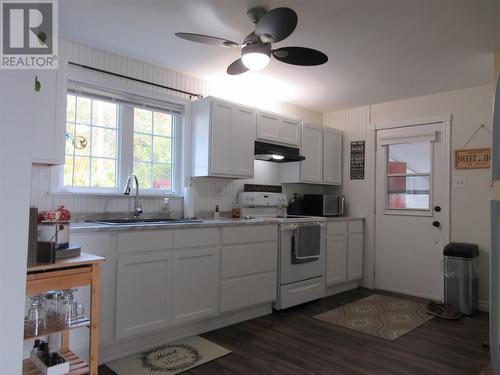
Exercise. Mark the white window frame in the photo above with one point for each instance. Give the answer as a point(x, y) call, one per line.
point(106, 84)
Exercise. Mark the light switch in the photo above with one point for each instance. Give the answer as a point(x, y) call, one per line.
point(460, 182)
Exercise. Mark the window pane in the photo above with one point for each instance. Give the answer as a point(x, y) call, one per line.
point(409, 158)
point(70, 134)
point(81, 173)
point(83, 110)
point(103, 172)
point(70, 108)
point(93, 138)
point(162, 176)
point(142, 147)
point(82, 140)
point(411, 192)
point(68, 170)
point(163, 124)
point(143, 173)
point(103, 142)
point(143, 121)
point(162, 149)
point(103, 113)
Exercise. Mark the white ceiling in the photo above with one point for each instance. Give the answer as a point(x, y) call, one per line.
point(379, 50)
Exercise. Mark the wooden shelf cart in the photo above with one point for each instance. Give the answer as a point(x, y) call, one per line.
point(69, 273)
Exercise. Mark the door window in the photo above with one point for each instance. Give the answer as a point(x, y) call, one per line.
point(409, 179)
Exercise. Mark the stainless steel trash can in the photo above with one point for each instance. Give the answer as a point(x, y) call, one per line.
point(461, 276)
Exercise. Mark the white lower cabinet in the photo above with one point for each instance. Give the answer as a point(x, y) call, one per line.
point(344, 251)
point(248, 267)
point(336, 259)
point(246, 291)
point(195, 284)
point(354, 256)
point(143, 294)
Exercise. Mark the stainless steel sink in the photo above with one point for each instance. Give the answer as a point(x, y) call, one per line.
point(142, 221)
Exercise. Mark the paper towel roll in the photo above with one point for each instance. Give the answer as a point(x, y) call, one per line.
point(188, 203)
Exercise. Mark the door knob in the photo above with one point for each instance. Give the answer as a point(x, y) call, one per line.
point(436, 224)
point(437, 208)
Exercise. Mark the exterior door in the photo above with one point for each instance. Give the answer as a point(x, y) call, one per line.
point(410, 219)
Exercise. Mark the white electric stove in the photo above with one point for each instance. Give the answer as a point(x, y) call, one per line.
point(300, 279)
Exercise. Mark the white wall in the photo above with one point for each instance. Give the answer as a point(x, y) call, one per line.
point(208, 188)
point(469, 207)
point(15, 161)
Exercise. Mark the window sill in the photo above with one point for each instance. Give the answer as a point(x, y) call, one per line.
point(112, 194)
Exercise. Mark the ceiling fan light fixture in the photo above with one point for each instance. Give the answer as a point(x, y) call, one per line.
point(255, 56)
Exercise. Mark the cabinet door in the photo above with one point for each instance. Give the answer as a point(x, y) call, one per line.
point(267, 126)
point(49, 108)
point(289, 132)
point(195, 284)
point(242, 141)
point(336, 259)
point(332, 156)
point(311, 169)
point(220, 150)
point(354, 256)
point(143, 289)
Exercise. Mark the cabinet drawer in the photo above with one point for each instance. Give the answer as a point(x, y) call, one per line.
point(249, 233)
point(336, 227)
point(247, 291)
point(304, 291)
point(195, 237)
point(246, 259)
point(145, 240)
point(356, 226)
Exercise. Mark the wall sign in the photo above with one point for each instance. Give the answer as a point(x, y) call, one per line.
point(476, 158)
point(357, 160)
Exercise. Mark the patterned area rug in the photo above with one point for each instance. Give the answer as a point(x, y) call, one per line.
point(382, 316)
point(169, 359)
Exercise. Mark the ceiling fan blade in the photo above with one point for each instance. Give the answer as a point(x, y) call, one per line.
point(207, 39)
point(276, 25)
point(236, 68)
point(300, 56)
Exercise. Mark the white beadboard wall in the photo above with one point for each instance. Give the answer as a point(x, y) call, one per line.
point(354, 124)
point(207, 190)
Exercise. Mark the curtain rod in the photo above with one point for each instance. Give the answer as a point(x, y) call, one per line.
point(191, 95)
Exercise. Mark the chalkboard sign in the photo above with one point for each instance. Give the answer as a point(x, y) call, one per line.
point(358, 160)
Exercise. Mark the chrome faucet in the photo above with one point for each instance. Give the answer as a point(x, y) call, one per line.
point(128, 186)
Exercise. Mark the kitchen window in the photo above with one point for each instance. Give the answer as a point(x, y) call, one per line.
point(109, 137)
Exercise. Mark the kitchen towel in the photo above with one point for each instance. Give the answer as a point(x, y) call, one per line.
point(308, 241)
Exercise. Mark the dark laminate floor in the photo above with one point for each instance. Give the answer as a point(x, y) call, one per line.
point(292, 342)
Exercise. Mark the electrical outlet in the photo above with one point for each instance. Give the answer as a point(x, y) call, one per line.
point(460, 182)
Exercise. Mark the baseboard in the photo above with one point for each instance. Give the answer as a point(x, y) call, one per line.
point(483, 305)
point(138, 344)
point(332, 290)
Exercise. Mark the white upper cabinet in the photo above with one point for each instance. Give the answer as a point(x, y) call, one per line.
point(49, 116)
point(332, 156)
point(322, 148)
point(223, 139)
point(277, 129)
point(311, 169)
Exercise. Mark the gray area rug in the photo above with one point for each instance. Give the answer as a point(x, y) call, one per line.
point(378, 315)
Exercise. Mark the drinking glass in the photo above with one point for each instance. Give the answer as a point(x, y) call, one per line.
point(71, 310)
point(36, 318)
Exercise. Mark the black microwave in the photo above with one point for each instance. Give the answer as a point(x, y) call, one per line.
point(324, 205)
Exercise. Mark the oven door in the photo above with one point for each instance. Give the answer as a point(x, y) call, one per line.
point(293, 269)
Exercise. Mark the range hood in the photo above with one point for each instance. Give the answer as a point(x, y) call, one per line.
point(277, 153)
